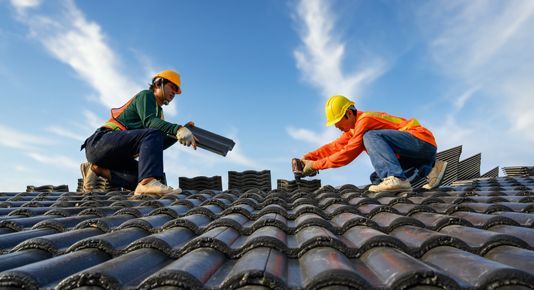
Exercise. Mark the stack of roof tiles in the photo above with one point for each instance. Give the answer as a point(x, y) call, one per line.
point(473, 235)
point(200, 183)
point(519, 170)
point(491, 173)
point(301, 185)
point(249, 179)
point(47, 188)
point(102, 185)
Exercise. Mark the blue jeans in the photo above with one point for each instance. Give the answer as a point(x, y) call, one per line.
point(416, 157)
point(116, 150)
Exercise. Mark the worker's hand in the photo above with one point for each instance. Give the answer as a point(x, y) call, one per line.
point(190, 123)
point(308, 168)
point(186, 138)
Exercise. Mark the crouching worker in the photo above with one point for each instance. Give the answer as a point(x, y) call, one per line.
point(400, 150)
point(137, 129)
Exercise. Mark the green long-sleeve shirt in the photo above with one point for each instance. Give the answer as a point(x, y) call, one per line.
point(142, 111)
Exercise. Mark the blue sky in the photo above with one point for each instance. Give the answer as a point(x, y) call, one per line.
point(260, 72)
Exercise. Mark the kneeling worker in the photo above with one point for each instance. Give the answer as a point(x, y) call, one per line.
point(136, 129)
point(399, 149)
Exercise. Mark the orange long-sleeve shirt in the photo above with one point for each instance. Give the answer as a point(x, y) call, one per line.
point(349, 145)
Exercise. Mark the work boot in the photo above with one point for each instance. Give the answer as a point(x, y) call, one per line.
point(90, 179)
point(436, 175)
point(391, 183)
point(155, 188)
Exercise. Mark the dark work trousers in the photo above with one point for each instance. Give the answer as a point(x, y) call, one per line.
point(398, 153)
point(116, 150)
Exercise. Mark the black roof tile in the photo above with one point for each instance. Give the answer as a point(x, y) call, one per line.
point(112, 243)
point(319, 266)
point(525, 234)
point(125, 271)
point(21, 258)
point(191, 271)
point(332, 238)
point(420, 240)
point(398, 270)
point(57, 244)
point(481, 241)
point(512, 256)
point(200, 183)
point(484, 220)
point(476, 271)
point(48, 273)
point(10, 240)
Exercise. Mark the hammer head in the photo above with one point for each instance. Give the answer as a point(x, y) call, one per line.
point(297, 166)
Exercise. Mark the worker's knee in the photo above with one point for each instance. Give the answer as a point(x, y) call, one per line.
point(154, 134)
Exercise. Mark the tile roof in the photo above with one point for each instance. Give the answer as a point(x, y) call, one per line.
point(475, 234)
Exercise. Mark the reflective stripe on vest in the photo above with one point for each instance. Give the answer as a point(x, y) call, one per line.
point(409, 124)
point(115, 124)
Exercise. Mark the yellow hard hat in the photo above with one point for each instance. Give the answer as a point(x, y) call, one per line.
point(335, 109)
point(171, 76)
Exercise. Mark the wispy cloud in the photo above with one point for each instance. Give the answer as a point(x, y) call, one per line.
point(71, 38)
point(14, 138)
point(311, 136)
point(22, 5)
point(238, 157)
point(65, 133)
point(320, 57)
point(487, 46)
point(320, 61)
point(92, 119)
point(58, 161)
point(82, 45)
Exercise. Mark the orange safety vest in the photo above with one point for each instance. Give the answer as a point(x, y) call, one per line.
point(115, 124)
point(349, 145)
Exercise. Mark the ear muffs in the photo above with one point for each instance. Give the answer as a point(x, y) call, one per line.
point(157, 81)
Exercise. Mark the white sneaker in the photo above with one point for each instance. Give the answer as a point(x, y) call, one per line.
point(90, 179)
point(436, 175)
point(155, 188)
point(391, 183)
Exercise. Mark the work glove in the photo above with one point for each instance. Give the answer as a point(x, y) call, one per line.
point(186, 138)
point(308, 168)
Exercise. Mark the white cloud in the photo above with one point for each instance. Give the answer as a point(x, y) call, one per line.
point(14, 138)
point(65, 133)
point(20, 168)
point(57, 161)
point(236, 156)
point(82, 45)
point(22, 5)
point(312, 137)
point(92, 119)
point(320, 57)
point(320, 61)
point(463, 98)
point(487, 46)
